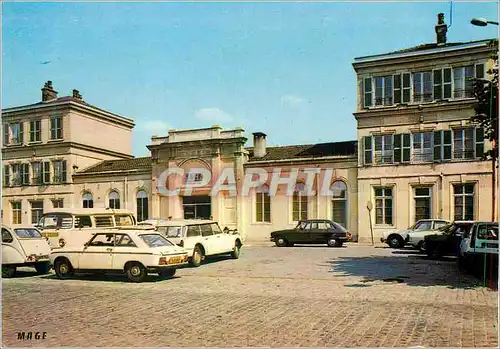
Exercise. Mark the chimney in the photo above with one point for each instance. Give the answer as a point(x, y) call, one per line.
point(77, 95)
point(259, 145)
point(48, 93)
point(441, 29)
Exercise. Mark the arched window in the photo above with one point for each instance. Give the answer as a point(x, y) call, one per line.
point(263, 204)
point(142, 205)
point(114, 199)
point(299, 205)
point(339, 202)
point(88, 201)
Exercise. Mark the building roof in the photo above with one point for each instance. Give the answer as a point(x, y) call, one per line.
point(297, 152)
point(142, 163)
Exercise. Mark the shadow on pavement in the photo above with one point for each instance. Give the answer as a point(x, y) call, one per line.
point(108, 278)
point(411, 270)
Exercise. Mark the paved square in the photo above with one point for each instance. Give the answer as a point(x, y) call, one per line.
point(276, 297)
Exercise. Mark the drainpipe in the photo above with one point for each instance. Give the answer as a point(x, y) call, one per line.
point(440, 191)
point(125, 187)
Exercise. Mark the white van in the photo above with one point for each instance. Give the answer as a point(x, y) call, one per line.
point(201, 238)
point(24, 247)
point(74, 226)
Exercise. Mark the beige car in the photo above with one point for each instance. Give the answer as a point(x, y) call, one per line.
point(24, 247)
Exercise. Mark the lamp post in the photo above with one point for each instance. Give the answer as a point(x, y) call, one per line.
point(482, 22)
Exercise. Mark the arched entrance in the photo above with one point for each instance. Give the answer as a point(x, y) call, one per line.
point(339, 203)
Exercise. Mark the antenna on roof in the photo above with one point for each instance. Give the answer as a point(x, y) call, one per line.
point(451, 13)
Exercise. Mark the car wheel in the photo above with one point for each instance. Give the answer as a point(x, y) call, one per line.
point(42, 268)
point(235, 254)
point(281, 241)
point(395, 241)
point(339, 244)
point(197, 257)
point(166, 273)
point(8, 271)
point(63, 268)
point(332, 242)
point(421, 246)
point(136, 272)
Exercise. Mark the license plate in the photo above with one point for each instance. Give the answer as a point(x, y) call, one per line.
point(50, 235)
point(41, 257)
point(175, 260)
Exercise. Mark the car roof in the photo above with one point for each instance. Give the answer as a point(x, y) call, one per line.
point(91, 211)
point(176, 222)
point(126, 231)
point(18, 226)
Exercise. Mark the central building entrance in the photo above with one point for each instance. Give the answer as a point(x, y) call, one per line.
point(197, 207)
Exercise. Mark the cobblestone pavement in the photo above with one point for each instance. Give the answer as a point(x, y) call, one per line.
point(274, 297)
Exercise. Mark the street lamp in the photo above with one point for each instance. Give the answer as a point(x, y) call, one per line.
point(482, 22)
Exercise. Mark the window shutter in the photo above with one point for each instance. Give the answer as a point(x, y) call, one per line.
point(46, 172)
point(368, 93)
point(6, 176)
point(438, 89)
point(446, 145)
point(397, 88)
point(406, 147)
point(446, 83)
point(64, 174)
point(397, 148)
point(26, 174)
point(6, 134)
point(368, 150)
point(437, 145)
point(480, 71)
point(406, 87)
point(479, 140)
point(21, 133)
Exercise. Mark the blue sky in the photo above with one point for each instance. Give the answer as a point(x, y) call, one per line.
point(279, 68)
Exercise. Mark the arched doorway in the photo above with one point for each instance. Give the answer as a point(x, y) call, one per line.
point(339, 202)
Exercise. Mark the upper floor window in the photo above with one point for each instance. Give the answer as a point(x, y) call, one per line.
point(6, 176)
point(60, 172)
point(56, 127)
point(35, 131)
point(37, 173)
point(422, 87)
point(422, 147)
point(383, 149)
point(25, 173)
point(16, 174)
point(13, 133)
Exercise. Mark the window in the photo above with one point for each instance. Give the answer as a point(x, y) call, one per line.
point(6, 134)
point(35, 131)
point(402, 147)
point(102, 240)
point(37, 173)
point(6, 176)
point(58, 203)
point(46, 172)
point(16, 131)
point(142, 205)
point(88, 201)
point(423, 204)
point(28, 233)
point(206, 230)
point(16, 174)
point(155, 240)
point(83, 222)
point(442, 83)
point(367, 141)
point(402, 94)
point(263, 204)
point(422, 147)
point(56, 127)
point(124, 220)
point(440, 224)
point(368, 92)
point(383, 90)
point(466, 143)
point(114, 200)
point(193, 230)
point(383, 149)
point(383, 206)
point(6, 236)
point(339, 202)
point(36, 211)
point(193, 177)
point(442, 145)
point(123, 240)
point(171, 232)
point(464, 201)
point(25, 170)
point(215, 228)
point(60, 174)
point(56, 220)
point(423, 225)
point(462, 82)
point(103, 221)
point(16, 212)
point(299, 204)
point(422, 87)
point(487, 232)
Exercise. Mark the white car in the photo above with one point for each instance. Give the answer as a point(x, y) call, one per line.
point(152, 222)
point(479, 244)
point(417, 238)
point(201, 238)
point(135, 253)
point(397, 239)
point(24, 247)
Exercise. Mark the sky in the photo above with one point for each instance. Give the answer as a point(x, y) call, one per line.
point(282, 68)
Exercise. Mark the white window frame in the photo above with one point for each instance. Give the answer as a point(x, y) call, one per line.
point(428, 196)
point(463, 195)
point(384, 197)
point(299, 196)
point(420, 92)
point(415, 153)
point(379, 155)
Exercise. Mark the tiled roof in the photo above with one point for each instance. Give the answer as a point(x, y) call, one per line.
point(294, 152)
point(143, 163)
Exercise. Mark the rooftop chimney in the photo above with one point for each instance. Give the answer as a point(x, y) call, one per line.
point(441, 29)
point(48, 93)
point(76, 94)
point(259, 145)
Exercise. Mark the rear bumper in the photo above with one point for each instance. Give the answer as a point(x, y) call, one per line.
point(157, 268)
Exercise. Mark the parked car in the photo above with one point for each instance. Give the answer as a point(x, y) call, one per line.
point(135, 253)
point(447, 241)
point(24, 247)
point(201, 238)
point(74, 226)
point(397, 239)
point(416, 238)
point(479, 246)
point(312, 231)
point(153, 221)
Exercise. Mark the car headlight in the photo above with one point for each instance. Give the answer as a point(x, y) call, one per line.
point(62, 243)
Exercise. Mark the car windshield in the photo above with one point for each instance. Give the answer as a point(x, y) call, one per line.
point(171, 232)
point(27, 233)
point(155, 240)
point(56, 221)
point(448, 228)
point(124, 220)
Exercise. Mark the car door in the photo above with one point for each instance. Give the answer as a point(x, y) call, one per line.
point(223, 242)
point(124, 250)
point(439, 224)
point(98, 252)
point(486, 239)
point(208, 239)
point(318, 232)
point(11, 249)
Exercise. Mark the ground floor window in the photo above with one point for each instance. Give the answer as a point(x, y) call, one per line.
point(263, 205)
point(88, 200)
point(463, 195)
point(58, 203)
point(383, 206)
point(423, 203)
point(114, 200)
point(16, 212)
point(339, 203)
point(36, 211)
point(142, 206)
point(299, 204)
point(197, 207)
